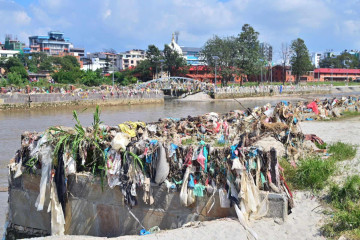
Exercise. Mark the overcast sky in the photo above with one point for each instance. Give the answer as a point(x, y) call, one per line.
point(127, 24)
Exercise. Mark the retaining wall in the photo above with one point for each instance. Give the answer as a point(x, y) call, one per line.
point(21, 101)
point(96, 212)
point(242, 92)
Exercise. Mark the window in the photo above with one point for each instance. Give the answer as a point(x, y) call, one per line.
point(132, 61)
point(3, 55)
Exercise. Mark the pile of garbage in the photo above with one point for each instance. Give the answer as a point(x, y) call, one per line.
point(234, 155)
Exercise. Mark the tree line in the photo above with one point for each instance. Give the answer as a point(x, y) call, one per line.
point(233, 56)
point(344, 60)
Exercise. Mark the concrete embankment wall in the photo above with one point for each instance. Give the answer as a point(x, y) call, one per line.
point(262, 93)
point(96, 212)
point(23, 101)
point(253, 92)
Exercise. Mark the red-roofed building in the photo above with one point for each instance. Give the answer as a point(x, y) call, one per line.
point(204, 73)
point(335, 74)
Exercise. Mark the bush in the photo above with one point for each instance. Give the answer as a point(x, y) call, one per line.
point(311, 173)
point(346, 203)
point(342, 151)
point(15, 79)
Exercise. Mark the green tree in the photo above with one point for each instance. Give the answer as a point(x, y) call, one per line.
point(15, 78)
point(174, 63)
point(125, 77)
point(91, 78)
point(143, 70)
point(248, 50)
point(344, 60)
point(300, 59)
point(225, 50)
point(68, 77)
point(69, 63)
point(19, 70)
point(153, 57)
point(46, 65)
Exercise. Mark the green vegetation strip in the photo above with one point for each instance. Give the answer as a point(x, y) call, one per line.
point(314, 172)
point(345, 202)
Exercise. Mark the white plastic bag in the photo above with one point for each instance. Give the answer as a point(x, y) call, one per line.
point(183, 191)
point(120, 141)
point(224, 200)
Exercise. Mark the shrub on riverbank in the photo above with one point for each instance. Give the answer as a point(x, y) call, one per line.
point(342, 151)
point(314, 173)
point(345, 202)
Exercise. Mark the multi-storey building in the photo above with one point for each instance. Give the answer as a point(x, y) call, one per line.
point(315, 59)
point(8, 53)
point(100, 60)
point(13, 44)
point(53, 44)
point(77, 51)
point(129, 59)
point(193, 56)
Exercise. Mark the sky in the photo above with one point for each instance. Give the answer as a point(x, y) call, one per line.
point(134, 24)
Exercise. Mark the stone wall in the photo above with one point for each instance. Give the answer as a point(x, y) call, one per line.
point(96, 211)
point(21, 101)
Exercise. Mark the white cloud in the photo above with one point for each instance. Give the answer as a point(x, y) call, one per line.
point(124, 24)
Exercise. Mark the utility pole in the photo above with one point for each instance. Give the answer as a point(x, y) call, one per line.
point(216, 58)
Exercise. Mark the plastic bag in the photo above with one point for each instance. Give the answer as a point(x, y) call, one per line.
point(224, 201)
point(201, 159)
point(162, 167)
point(190, 197)
point(183, 191)
point(120, 141)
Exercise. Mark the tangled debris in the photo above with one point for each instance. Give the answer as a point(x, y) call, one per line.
point(234, 154)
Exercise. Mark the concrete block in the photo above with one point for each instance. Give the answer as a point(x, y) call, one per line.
point(81, 218)
point(14, 183)
point(22, 210)
point(278, 206)
point(109, 220)
point(31, 182)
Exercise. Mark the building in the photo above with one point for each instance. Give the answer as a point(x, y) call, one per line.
point(93, 64)
point(336, 74)
point(13, 44)
point(129, 59)
point(99, 60)
point(193, 56)
point(315, 59)
point(8, 53)
point(77, 51)
point(204, 73)
point(53, 44)
point(278, 74)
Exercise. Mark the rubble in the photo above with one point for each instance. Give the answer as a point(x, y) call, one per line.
point(234, 155)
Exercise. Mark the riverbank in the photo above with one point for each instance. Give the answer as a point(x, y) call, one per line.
point(43, 100)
